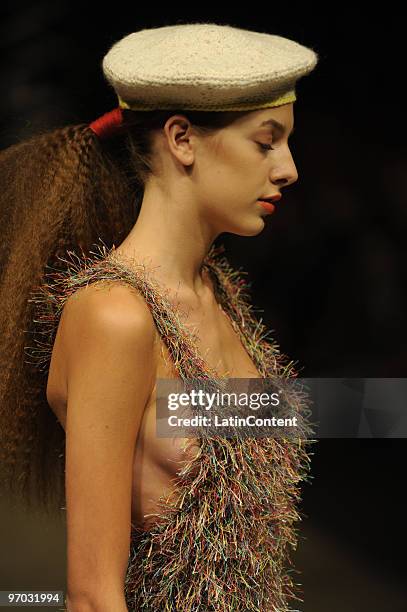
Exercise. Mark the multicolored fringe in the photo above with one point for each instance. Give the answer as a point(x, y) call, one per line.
point(224, 544)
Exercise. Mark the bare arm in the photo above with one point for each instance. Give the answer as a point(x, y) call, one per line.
point(110, 369)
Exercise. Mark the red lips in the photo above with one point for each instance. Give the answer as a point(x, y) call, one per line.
point(273, 198)
point(268, 206)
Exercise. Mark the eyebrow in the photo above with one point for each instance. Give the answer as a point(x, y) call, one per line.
point(276, 124)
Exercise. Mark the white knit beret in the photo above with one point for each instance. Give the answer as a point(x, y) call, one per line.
point(205, 66)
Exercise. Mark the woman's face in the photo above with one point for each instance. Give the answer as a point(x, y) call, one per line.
point(239, 165)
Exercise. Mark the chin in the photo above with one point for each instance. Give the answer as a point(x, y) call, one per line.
point(253, 227)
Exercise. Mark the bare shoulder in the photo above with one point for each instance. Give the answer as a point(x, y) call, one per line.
point(97, 311)
point(118, 298)
point(108, 307)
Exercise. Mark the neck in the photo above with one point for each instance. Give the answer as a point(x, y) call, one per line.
point(170, 238)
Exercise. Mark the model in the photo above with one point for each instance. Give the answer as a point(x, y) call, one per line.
point(198, 146)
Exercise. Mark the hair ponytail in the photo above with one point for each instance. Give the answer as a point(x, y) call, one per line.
point(60, 190)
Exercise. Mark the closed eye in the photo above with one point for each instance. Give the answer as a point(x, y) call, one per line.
point(265, 147)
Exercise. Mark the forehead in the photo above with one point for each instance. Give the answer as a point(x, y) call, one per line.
point(280, 117)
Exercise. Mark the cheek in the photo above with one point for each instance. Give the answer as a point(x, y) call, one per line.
point(238, 168)
point(231, 175)
point(240, 157)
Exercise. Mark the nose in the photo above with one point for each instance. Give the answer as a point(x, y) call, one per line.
point(285, 174)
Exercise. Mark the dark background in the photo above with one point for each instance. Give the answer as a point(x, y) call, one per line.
point(328, 270)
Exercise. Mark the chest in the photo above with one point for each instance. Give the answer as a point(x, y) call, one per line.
point(220, 346)
point(218, 342)
point(157, 460)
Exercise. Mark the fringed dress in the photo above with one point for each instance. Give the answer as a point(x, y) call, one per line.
point(225, 544)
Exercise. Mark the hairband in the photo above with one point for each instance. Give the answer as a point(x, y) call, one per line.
point(108, 124)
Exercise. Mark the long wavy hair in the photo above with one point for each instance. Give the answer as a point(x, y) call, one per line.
point(61, 189)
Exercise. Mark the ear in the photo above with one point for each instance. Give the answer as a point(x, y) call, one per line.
point(180, 138)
